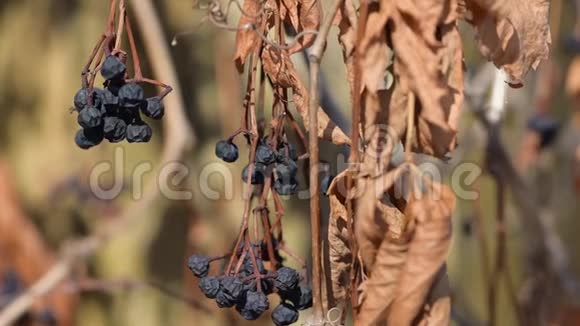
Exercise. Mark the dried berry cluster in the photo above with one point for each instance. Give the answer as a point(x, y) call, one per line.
point(247, 289)
point(281, 159)
point(114, 112)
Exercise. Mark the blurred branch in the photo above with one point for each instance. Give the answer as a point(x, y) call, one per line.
point(108, 286)
point(24, 251)
point(179, 138)
point(541, 247)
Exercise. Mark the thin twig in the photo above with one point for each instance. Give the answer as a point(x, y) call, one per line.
point(315, 56)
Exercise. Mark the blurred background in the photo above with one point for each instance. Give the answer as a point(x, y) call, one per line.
point(140, 277)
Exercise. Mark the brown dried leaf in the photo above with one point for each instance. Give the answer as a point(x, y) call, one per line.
point(515, 35)
point(246, 39)
point(426, 254)
point(310, 14)
point(376, 218)
point(382, 285)
point(338, 238)
point(407, 270)
point(279, 68)
point(289, 12)
point(437, 309)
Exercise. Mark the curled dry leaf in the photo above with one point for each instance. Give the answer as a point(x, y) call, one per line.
point(310, 13)
point(428, 61)
point(407, 270)
point(338, 238)
point(376, 218)
point(515, 35)
point(437, 309)
point(426, 254)
point(246, 38)
point(279, 68)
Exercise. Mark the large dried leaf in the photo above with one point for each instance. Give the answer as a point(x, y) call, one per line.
point(376, 218)
point(515, 35)
point(409, 272)
point(279, 68)
point(246, 39)
point(381, 287)
point(310, 13)
point(428, 62)
point(339, 238)
point(437, 309)
point(426, 254)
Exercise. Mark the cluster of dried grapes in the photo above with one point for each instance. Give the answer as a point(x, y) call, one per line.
point(246, 283)
point(250, 296)
point(114, 111)
point(283, 161)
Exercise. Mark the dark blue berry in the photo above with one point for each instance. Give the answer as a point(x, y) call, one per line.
point(258, 173)
point(284, 314)
point(210, 286)
point(287, 168)
point(89, 137)
point(114, 129)
point(131, 96)
point(113, 67)
point(224, 300)
point(226, 150)
point(231, 290)
point(301, 297)
point(546, 126)
point(286, 187)
point(264, 154)
point(287, 151)
point(254, 305)
point(108, 100)
point(153, 108)
point(139, 132)
point(286, 279)
point(81, 99)
point(198, 265)
point(90, 117)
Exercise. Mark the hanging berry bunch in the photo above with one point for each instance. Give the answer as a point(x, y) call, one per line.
point(114, 111)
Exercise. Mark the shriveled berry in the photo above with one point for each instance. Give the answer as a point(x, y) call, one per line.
point(108, 100)
point(286, 279)
point(287, 168)
point(90, 117)
point(258, 173)
point(113, 67)
point(81, 99)
point(254, 305)
point(287, 150)
point(198, 265)
point(249, 266)
point(284, 314)
point(153, 108)
point(301, 297)
point(89, 137)
point(223, 300)
point(210, 286)
point(264, 154)
point(131, 95)
point(114, 129)
point(139, 132)
point(546, 126)
point(226, 150)
point(286, 187)
point(232, 289)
